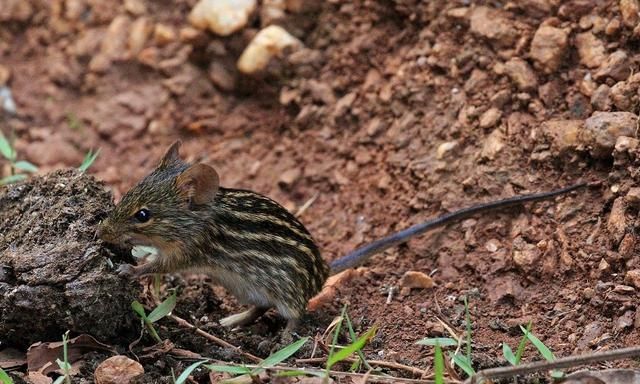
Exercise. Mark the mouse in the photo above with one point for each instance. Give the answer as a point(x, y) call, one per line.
point(248, 243)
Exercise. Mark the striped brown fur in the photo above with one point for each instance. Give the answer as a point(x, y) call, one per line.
point(247, 242)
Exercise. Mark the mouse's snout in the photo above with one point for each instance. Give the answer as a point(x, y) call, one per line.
point(105, 231)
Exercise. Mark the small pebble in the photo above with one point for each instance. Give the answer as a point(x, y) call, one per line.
point(617, 66)
point(139, 33)
point(625, 321)
point(444, 148)
point(591, 50)
point(269, 42)
point(6, 99)
point(135, 7)
point(521, 74)
point(549, 46)
point(633, 196)
point(222, 17)
point(415, 279)
point(588, 293)
point(617, 222)
point(492, 245)
point(630, 10)
point(490, 118)
point(633, 277)
point(164, 34)
point(493, 144)
point(602, 130)
point(5, 74)
point(289, 177)
point(493, 24)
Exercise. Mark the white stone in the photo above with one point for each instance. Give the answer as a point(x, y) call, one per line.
point(222, 17)
point(444, 148)
point(267, 43)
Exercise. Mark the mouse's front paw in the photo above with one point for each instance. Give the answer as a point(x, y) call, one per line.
point(126, 270)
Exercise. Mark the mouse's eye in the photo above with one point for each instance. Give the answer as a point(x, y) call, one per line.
point(142, 215)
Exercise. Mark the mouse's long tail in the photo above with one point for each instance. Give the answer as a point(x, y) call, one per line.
point(361, 254)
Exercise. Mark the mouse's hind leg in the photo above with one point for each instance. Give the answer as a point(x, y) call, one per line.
point(243, 318)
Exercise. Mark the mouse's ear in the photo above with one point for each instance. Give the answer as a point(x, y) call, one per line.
point(198, 184)
point(172, 155)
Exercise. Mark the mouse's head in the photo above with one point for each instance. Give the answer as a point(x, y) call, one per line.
point(159, 211)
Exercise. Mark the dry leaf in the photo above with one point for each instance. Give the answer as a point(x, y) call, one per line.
point(331, 288)
point(12, 358)
point(185, 353)
point(41, 357)
point(117, 370)
point(38, 378)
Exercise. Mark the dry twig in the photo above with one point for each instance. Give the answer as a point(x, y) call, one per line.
point(183, 323)
point(387, 364)
point(370, 378)
point(565, 362)
point(307, 204)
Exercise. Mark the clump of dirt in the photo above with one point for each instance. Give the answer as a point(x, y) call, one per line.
point(54, 274)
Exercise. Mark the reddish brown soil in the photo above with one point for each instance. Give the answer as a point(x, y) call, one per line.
point(358, 122)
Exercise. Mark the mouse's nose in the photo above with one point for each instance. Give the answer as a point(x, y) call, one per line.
point(103, 232)
point(100, 232)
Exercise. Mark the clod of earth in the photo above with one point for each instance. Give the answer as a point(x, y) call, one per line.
point(54, 273)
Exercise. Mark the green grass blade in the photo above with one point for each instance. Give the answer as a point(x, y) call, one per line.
point(157, 282)
point(163, 309)
point(185, 374)
point(4, 377)
point(139, 309)
point(353, 336)
point(522, 345)
point(66, 367)
point(440, 341)
point(6, 149)
point(351, 348)
point(234, 369)
point(283, 354)
point(25, 166)
point(438, 365)
point(295, 373)
point(508, 354)
point(12, 179)
point(464, 364)
point(467, 317)
point(89, 158)
point(334, 341)
point(63, 365)
point(152, 331)
point(544, 351)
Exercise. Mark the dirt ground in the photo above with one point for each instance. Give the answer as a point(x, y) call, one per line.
point(395, 112)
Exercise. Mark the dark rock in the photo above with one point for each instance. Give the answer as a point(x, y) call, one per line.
point(55, 275)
